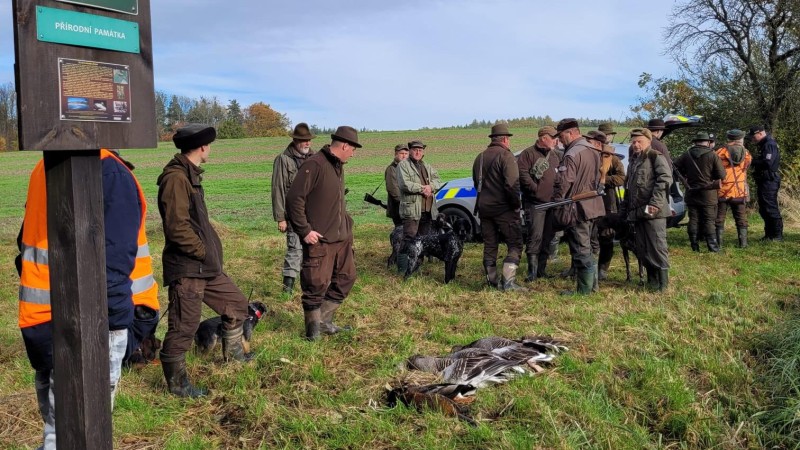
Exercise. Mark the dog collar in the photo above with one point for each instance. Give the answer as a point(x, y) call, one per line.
point(258, 314)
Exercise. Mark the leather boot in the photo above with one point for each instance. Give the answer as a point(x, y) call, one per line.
point(720, 231)
point(177, 379)
point(602, 272)
point(326, 312)
point(233, 347)
point(742, 233)
point(490, 268)
point(402, 264)
point(288, 284)
point(312, 319)
point(510, 278)
point(533, 269)
point(663, 279)
point(693, 243)
point(777, 230)
point(768, 230)
point(711, 243)
point(653, 281)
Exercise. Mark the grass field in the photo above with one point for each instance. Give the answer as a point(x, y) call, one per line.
point(672, 370)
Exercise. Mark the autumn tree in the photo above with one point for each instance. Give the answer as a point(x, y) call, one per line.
point(8, 118)
point(261, 120)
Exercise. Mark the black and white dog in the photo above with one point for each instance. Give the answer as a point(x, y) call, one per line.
point(446, 246)
point(438, 226)
point(210, 330)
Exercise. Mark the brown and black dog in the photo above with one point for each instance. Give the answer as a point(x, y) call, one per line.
point(210, 330)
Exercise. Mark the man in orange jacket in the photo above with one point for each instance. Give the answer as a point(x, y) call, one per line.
point(733, 191)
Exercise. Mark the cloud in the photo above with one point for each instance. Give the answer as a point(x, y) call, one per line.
point(409, 64)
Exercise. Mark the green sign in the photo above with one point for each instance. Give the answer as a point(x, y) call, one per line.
point(86, 30)
point(123, 6)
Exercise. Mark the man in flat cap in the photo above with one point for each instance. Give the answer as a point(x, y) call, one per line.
point(418, 183)
point(579, 173)
point(496, 175)
point(318, 214)
point(284, 169)
point(537, 173)
point(646, 204)
point(393, 184)
point(704, 172)
point(734, 193)
point(766, 172)
point(193, 262)
point(612, 176)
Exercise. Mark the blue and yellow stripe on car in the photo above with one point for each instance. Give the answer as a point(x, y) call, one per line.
point(458, 192)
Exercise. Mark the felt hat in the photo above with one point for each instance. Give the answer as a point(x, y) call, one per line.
point(656, 125)
point(701, 136)
point(347, 134)
point(302, 132)
point(596, 135)
point(399, 147)
point(500, 129)
point(642, 132)
point(566, 124)
point(194, 135)
point(606, 128)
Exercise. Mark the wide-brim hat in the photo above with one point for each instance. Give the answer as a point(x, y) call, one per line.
point(701, 136)
point(606, 128)
point(566, 124)
point(596, 135)
point(347, 134)
point(500, 129)
point(302, 132)
point(656, 125)
point(194, 135)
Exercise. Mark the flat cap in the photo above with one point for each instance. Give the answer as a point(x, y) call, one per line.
point(735, 134)
point(642, 132)
point(547, 131)
point(399, 147)
point(194, 135)
point(566, 124)
point(416, 144)
point(755, 129)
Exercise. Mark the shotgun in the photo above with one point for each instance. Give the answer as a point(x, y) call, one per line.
point(575, 198)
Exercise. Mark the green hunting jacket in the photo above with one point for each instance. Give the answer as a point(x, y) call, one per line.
point(648, 181)
point(412, 203)
point(284, 169)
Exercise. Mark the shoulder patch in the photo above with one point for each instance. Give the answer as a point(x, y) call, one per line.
point(769, 156)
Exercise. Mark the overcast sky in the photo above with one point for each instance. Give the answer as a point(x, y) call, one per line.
point(405, 64)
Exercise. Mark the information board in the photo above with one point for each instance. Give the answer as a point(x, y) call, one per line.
point(123, 6)
point(94, 91)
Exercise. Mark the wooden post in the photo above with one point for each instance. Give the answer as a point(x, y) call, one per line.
point(77, 261)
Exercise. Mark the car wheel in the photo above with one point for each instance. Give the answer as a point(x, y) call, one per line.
point(453, 214)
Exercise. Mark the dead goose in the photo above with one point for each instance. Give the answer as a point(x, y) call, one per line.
point(479, 369)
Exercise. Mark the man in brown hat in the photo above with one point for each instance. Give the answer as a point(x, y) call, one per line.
point(317, 211)
point(579, 173)
point(418, 183)
point(284, 169)
point(657, 127)
point(193, 262)
point(647, 206)
point(537, 173)
point(496, 175)
point(612, 176)
point(607, 128)
point(392, 184)
point(704, 173)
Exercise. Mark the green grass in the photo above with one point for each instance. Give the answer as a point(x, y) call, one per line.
point(678, 370)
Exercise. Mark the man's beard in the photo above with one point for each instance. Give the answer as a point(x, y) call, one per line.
point(304, 150)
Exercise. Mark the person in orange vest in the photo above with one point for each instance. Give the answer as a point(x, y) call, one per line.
point(733, 191)
point(124, 211)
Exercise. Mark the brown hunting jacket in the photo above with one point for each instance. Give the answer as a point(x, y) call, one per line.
point(580, 172)
point(701, 166)
point(500, 190)
point(392, 191)
point(192, 248)
point(533, 191)
point(316, 199)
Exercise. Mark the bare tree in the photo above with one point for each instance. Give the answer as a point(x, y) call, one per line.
point(742, 46)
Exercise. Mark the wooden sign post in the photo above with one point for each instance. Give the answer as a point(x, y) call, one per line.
point(84, 80)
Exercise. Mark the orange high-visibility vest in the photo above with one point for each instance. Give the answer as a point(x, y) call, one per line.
point(34, 287)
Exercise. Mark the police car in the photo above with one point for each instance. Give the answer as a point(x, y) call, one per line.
point(456, 199)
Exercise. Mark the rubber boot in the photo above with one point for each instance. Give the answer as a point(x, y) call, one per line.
point(326, 312)
point(490, 268)
point(568, 273)
point(533, 269)
point(663, 279)
point(742, 233)
point(541, 268)
point(510, 278)
point(177, 379)
point(653, 281)
point(768, 230)
point(584, 282)
point(602, 272)
point(312, 319)
point(595, 278)
point(288, 284)
point(402, 264)
point(777, 230)
point(233, 346)
point(693, 243)
point(711, 243)
point(720, 231)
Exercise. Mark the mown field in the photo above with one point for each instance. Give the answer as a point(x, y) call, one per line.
point(672, 370)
